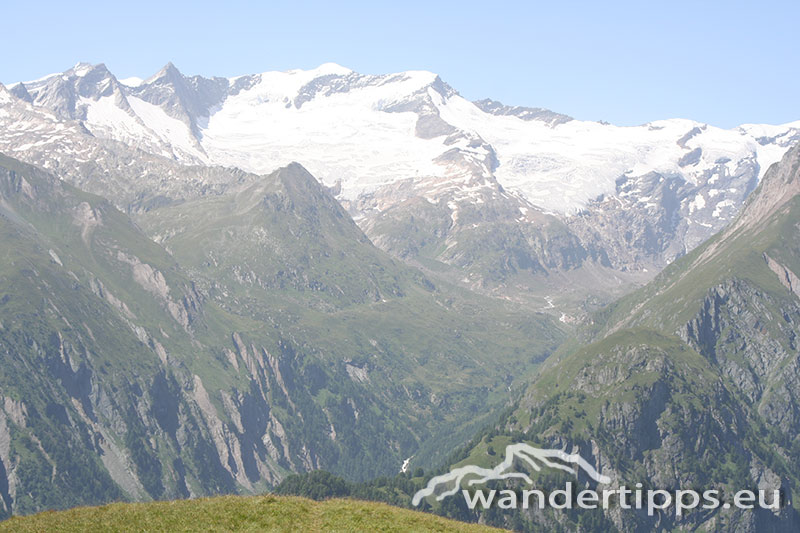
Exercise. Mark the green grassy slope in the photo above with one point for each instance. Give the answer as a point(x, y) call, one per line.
point(267, 337)
point(266, 513)
point(282, 252)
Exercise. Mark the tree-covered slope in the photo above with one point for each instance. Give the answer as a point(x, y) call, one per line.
point(690, 382)
point(267, 336)
point(284, 253)
point(95, 321)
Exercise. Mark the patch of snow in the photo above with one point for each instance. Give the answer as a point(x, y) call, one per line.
point(170, 130)
point(698, 203)
point(82, 69)
point(106, 119)
point(343, 136)
point(404, 468)
point(133, 81)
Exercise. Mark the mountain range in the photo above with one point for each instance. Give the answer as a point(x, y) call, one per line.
point(690, 381)
point(264, 334)
point(519, 202)
point(208, 284)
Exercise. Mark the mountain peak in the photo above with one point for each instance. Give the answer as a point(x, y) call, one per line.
point(303, 187)
point(5, 94)
point(81, 69)
point(168, 72)
point(90, 73)
point(327, 69)
point(14, 91)
point(298, 175)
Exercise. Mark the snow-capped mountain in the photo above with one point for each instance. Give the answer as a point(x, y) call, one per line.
point(110, 110)
point(569, 191)
point(133, 178)
point(368, 131)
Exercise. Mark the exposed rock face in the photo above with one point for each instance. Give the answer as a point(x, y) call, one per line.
point(787, 278)
point(525, 113)
point(184, 311)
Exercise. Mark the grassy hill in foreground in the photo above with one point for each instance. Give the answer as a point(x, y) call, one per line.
point(236, 513)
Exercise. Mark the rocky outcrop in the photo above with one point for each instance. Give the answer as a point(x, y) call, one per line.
point(184, 311)
point(787, 278)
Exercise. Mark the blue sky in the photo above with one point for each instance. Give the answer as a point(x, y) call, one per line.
point(724, 63)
